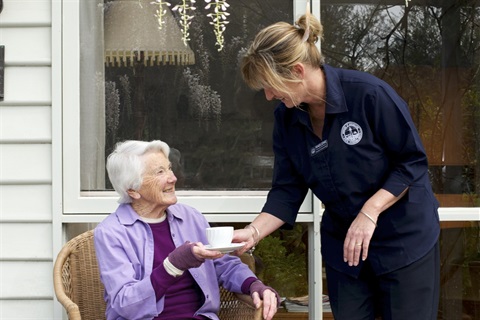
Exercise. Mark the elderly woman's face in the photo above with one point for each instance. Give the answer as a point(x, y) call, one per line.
point(158, 185)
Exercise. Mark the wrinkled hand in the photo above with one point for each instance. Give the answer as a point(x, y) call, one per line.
point(358, 239)
point(201, 252)
point(191, 255)
point(243, 235)
point(271, 300)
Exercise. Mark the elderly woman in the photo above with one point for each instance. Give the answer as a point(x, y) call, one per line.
point(150, 253)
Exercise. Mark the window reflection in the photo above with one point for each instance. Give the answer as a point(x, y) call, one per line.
point(281, 259)
point(220, 129)
point(460, 270)
point(429, 54)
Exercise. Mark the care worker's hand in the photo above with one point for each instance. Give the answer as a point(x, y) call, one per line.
point(243, 235)
point(270, 297)
point(358, 239)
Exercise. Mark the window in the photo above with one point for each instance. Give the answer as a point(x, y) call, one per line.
point(429, 54)
point(460, 270)
point(219, 129)
point(190, 96)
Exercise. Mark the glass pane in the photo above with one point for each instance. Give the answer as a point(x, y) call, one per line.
point(220, 130)
point(430, 55)
point(281, 261)
point(460, 270)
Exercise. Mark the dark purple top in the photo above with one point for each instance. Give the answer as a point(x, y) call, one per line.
point(181, 296)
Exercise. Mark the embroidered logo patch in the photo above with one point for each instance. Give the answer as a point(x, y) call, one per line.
point(351, 133)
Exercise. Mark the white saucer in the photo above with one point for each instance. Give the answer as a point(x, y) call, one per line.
point(225, 249)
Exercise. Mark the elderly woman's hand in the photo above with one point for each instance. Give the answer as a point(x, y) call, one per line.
point(271, 300)
point(191, 255)
point(200, 251)
point(183, 257)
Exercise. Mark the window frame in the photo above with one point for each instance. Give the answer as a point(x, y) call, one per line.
point(224, 206)
point(103, 202)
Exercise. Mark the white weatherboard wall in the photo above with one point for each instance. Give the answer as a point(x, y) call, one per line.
point(26, 250)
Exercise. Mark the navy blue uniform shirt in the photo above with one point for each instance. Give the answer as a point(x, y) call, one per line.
point(368, 142)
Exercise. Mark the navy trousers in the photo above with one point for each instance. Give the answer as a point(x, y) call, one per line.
point(410, 293)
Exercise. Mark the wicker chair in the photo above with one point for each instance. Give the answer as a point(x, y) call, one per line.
point(78, 287)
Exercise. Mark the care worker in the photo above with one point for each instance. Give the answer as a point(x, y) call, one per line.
point(348, 136)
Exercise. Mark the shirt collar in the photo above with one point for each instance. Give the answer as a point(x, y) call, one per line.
point(127, 216)
point(335, 102)
point(173, 213)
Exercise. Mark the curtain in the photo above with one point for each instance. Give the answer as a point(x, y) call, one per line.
point(92, 96)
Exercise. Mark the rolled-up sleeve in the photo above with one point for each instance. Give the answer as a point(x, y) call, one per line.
point(400, 140)
point(288, 186)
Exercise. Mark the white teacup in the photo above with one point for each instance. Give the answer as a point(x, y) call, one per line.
point(219, 236)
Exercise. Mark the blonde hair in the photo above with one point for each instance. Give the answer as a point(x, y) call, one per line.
point(269, 60)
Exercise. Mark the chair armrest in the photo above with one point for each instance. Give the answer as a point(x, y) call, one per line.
point(246, 299)
point(60, 276)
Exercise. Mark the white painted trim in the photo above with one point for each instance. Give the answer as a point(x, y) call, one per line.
point(24, 63)
point(211, 217)
point(56, 114)
point(315, 287)
point(71, 106)
point(315, 309)
point(459, 214)
point(24, 24)
point(216, 202)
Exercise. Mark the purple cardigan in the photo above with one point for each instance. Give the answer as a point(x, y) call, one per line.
point(124, 249)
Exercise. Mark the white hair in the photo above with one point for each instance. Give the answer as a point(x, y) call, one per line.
point(124, 167)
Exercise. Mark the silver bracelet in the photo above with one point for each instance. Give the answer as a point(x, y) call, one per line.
point(254, 231)
point(369, 217)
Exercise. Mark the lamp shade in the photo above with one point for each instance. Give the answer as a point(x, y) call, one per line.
point(132, 32)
